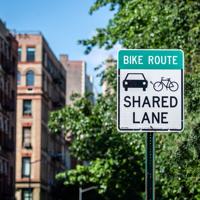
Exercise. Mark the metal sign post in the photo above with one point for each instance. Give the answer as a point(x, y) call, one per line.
point(150, 84)
point(150, 166)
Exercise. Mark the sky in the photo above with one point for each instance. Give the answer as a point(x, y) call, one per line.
point(63, 23)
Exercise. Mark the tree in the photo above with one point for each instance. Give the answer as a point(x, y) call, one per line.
point(164, 24)
point(151, 24)
point(117, 160)
point(178, 162)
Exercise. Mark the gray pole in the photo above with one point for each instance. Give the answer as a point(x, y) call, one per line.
point(80, 193)
point(150, 166)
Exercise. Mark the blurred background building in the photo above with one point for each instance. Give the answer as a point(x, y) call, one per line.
point(8, 69)
point(41, 88)
point(77, 79)
point(109, 62)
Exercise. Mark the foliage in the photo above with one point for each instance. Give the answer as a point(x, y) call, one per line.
point(164, 24)
point(178, 155)
point(116, 161)
point(151, 24)
point(116, 164)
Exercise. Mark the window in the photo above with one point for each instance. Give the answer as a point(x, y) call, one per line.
point(18, 78)
point(30, 78)
point(27, 107)
point(26, 138)
point(19, 54)
point(30, 54)
point(27, 194)
point(26, 166)
point(5, 167)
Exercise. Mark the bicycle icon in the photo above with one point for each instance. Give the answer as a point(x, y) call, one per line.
point(165, 82)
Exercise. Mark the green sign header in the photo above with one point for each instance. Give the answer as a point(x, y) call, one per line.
point(151, 59)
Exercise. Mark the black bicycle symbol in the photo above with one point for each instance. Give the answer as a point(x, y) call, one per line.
point(167, 83)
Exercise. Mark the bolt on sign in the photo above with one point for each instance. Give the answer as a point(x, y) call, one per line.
point(150, 90)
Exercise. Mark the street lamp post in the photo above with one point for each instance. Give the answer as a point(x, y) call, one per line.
point(81, 191)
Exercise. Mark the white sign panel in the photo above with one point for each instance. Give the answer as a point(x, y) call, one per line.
point(150, 90)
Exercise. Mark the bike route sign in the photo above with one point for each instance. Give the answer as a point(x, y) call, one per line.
point(150, 90)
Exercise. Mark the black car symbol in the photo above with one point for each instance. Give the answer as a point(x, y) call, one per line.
point(135, 80)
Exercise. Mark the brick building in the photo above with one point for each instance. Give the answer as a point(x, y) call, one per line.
point(8, 69)
point(41, 81)
point(77, 79)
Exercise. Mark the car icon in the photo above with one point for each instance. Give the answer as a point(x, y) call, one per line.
point(135, 80)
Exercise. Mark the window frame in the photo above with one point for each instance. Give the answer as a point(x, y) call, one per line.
point(24, 112)
point(30, 78)
point(30, 194)
point(26, 136)
point(19, 78)
point(24, 175)
point(19, 54)
point(30, 54)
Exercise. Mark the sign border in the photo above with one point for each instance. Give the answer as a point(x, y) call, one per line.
point(182, 96)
